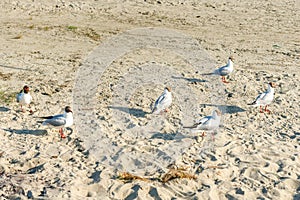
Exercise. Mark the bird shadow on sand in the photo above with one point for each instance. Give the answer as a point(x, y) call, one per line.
point(27, 131)
point(168, 136)
point(12, 67)
point(4, 109)
point(226, 109)
point(192, 80)
point(164, 136)
point(132, 111)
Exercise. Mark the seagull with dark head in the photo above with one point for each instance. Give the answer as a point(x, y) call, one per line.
point(60, 121)
point(24, 97)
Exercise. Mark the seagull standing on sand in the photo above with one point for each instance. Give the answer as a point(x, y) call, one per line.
point(163, 102)
point(225, 70)
point(24, 97)
point(265, 98)
point(60, 121)
point(208, 123)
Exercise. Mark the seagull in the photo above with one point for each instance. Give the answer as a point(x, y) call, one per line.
point(208, 123)
point(24, 97)
point(60, 121)
point(265, 98)
point(224, 70)
point(163, 102)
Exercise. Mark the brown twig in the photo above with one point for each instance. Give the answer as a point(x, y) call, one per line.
point(215, 167)
point(177, 173)
point(127, 177)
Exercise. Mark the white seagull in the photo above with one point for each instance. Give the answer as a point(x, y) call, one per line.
point(24, 97)
point(163, 102)
point(225, 70)
point(60, 121)
point(208, 123)
point(265, 98)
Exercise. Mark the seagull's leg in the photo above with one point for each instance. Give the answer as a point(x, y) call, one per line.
point(22, 109)
point(267, 110)
point(260, 109)
point(203, 134)
point(213, 136)
point(166, 110)
point(62, 135)
point(29, 106)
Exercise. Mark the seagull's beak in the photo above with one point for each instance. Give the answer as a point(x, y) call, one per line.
point(219, 112)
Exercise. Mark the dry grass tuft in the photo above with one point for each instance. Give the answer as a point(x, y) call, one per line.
point(127, 177)
point(7, 98)
point(177, 173)
point(5, 77)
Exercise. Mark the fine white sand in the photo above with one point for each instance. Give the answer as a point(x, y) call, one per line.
point(47, 44)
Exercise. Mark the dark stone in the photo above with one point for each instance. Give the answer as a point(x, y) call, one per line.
point(239, 191)
point(29, 194)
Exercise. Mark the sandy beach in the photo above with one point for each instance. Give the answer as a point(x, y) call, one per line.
point(110, 60)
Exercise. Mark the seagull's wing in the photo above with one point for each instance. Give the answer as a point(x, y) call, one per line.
point(205, 123)
point(223, 71)
point(19, 97)
point(198, 125)
point(57, 121)
point(160, 103)
point(267, 98)
point(160, 100)
point(51, 117)
point(259, 99)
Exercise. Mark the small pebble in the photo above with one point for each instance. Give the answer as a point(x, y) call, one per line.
point(29, 194)
point(230, 95)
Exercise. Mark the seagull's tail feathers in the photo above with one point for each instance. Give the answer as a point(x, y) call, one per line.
point(208, 74)
point(190, 127)
point(252, 104)
point(44, 123)
point(46, 117)
point(155, 111)
point(215, 72)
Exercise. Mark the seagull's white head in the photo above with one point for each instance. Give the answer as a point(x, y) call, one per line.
point(272, 84)
point(168, 88)
point(216, 113)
